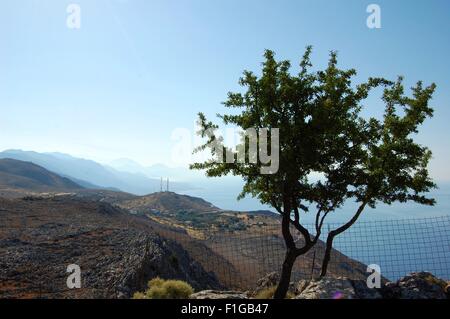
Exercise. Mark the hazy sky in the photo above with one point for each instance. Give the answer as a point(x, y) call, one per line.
point(137, 70)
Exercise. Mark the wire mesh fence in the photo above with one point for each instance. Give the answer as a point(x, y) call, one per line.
point(398, 247)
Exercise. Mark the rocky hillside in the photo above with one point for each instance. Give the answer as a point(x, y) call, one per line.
point(168, 202)
point(27, 176)
point(117, 253)
point(239, 247)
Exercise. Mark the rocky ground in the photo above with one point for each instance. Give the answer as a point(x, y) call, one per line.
point(420, 285)
point(117, 253)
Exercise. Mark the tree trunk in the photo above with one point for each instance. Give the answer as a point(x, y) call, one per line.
point(292, 252)
point(334, 233)
point(327, 255)
point(283, 286)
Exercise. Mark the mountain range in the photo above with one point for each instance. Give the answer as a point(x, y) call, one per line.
point(129, 176)
point(92, 175)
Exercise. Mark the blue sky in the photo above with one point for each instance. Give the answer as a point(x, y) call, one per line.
point(136, 70)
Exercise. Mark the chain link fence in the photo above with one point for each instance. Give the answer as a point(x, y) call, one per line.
point(399, 247)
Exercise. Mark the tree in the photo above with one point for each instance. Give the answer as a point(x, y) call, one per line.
point(328, 152)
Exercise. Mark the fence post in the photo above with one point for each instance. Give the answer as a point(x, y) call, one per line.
point(313, 264)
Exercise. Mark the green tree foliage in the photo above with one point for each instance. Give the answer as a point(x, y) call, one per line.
point(329, 152)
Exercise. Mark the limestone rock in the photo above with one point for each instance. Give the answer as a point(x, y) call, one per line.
point(364, 292)
point(418, 285)
point(269, 280)
point(328, 288)
point(215, 294)
point(300, 286)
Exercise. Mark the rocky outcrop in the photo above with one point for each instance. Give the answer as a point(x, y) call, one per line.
point(364, 292)
point(117, 253)
point(328, 288)
point(160, 258)
point(419, 285)
point(269, 280)
point(215, 294)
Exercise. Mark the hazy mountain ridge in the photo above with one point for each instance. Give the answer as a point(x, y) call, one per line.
point(17, 174)
point(90, 173)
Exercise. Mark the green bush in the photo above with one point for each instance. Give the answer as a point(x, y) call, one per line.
point(269, 292)
point(177, 289)
point(165, 289)
point(155, 282)
point(156, 293)
point(139, 295)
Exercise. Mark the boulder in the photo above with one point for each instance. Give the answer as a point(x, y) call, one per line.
point(328, 288)
point(417, 285)
point(216, 294)
point(269, 280)
point(336, 288)
point(364, 292)
point(300, 286)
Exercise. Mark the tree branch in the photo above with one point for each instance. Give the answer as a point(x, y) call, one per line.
point(300, 228)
